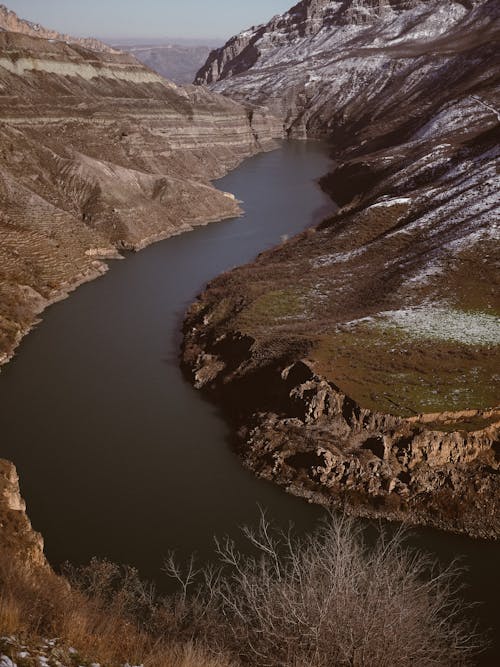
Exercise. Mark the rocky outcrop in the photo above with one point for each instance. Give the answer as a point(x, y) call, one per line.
point(20, 545)
point(301, 431)
point(10, 22)
point(100, 154)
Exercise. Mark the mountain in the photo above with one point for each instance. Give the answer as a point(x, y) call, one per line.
point(99, 154)
point(321, 62)
point(10, 22)
point(376, 334)
point(176, 62)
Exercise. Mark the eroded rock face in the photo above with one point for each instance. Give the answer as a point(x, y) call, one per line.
point(97, 154)
point(303, 433)
point(20, 545)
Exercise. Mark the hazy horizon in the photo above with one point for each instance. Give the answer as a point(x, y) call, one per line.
point(192, 20)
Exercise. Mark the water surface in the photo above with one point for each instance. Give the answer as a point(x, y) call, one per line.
point(118, 455)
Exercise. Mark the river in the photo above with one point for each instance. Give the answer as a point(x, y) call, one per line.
point(118, 455)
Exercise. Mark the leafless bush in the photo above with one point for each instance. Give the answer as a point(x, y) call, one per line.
point(328, 600)
point(118, 589)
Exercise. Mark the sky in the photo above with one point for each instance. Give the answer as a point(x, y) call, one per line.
point(118, 19)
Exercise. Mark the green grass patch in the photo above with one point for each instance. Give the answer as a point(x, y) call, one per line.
point(386, 370)
point(272, 307)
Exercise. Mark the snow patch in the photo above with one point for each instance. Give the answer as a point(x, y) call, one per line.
point(397, 201)
point(336, 258)
point(6, 662)
point(441, 323)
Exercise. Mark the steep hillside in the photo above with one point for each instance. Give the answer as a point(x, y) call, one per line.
point(333, 64)
point(98, 153)
point(377, 333)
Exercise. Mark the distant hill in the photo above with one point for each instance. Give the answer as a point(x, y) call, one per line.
point(178, 62)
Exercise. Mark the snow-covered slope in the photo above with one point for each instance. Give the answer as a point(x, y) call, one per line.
point(326, 63)
point(408, 93)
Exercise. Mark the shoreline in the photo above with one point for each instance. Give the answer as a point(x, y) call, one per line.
point(393, 474)
point(101, 260)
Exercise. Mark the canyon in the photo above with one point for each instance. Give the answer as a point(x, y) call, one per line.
point(99, 154)
point(356, 363)
point(364, 353)
point(337, 352)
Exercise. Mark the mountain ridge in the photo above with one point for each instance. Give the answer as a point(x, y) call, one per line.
point(11, 22)
point(326, 39)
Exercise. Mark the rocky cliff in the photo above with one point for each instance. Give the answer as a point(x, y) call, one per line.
point(20, 544)
point(390, 308)
point(330, 64)
point(97, 154)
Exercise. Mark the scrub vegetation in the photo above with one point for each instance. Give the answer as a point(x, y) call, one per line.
point(327, 599)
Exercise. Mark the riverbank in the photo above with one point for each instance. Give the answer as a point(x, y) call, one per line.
point(108, 358)
point(359, 360)
point(100, 266)
point(99, 155)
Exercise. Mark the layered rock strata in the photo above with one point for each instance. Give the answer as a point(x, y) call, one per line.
point(100, 154)
point(388, 311)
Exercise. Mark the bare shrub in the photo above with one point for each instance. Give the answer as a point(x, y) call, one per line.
point(325, 600)
point(328, 600)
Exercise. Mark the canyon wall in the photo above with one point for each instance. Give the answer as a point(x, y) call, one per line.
point(390, 309)
point(100, 154)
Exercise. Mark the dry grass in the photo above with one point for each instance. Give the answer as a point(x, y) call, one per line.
point(102, 628)
point(10, 615)
point(326, 600)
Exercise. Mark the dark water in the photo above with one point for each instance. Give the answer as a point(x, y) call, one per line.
point(118, 455)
